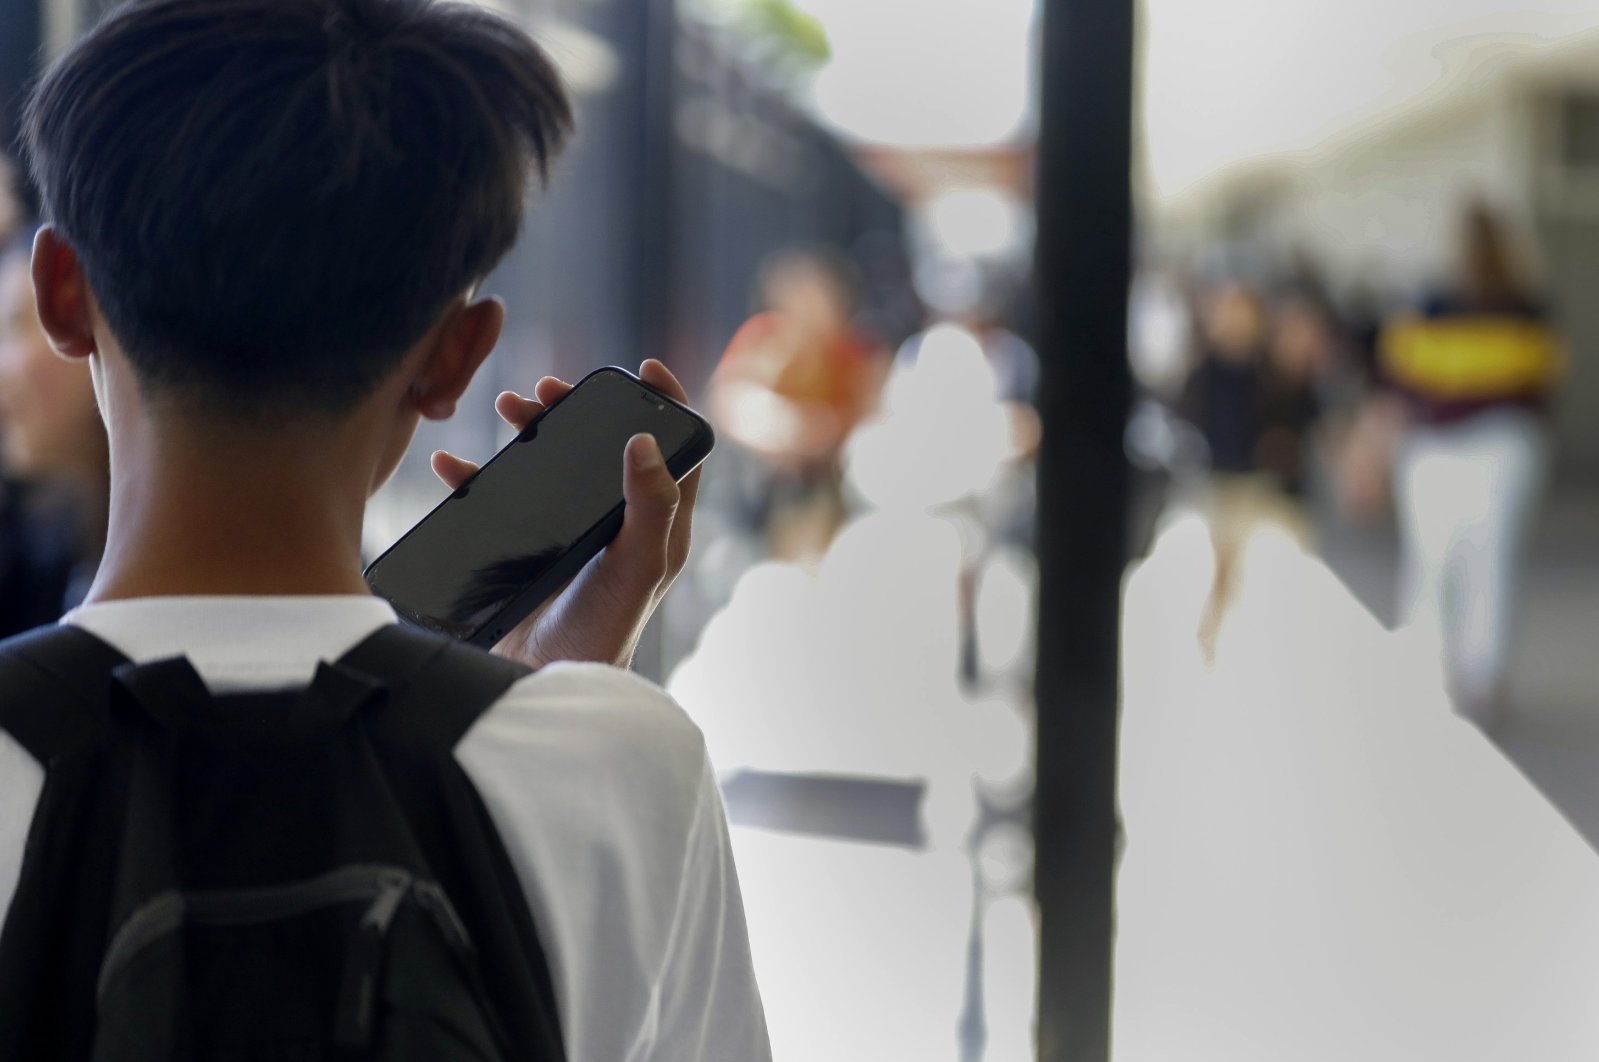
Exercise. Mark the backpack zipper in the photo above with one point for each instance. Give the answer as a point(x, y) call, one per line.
point(363, 964)
point(169, 911)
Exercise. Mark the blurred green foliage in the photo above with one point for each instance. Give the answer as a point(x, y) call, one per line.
point(784, 28)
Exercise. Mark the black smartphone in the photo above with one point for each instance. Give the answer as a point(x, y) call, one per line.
point(540, 509)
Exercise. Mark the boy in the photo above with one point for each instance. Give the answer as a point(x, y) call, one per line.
point(268, 222)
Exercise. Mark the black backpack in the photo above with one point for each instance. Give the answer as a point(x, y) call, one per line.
point(286, 876)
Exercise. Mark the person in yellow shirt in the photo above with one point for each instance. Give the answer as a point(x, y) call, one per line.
point(1468, 379)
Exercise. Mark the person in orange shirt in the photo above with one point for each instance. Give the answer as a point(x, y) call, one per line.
point(794, 382)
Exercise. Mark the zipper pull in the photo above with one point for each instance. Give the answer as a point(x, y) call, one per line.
point(431, 896)
point(363, 964)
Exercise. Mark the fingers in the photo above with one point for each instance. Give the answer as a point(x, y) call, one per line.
point(517, 411)
point(636, 562)
point(677, 545)
point(657, 375)
point(647, 484)
point(550, 390)
point(453, 470)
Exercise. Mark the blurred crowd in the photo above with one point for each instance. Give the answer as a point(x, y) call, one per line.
point(1275, 406)
point(1268, 401)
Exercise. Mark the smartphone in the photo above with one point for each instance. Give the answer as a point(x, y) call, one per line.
point(540, 509)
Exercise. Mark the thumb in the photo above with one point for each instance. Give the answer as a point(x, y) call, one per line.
point(638, 555)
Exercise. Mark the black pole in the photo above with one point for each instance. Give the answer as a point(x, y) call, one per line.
point(1083, 264)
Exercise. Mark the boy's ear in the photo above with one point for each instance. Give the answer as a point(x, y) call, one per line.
point(61, 293)
point(464, 338)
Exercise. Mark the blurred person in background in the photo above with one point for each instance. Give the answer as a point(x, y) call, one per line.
point(1304, 350)
point(53, 449)
point(1465, 383)
point(793, 384)
point(1251, 395)
point(1221, 396)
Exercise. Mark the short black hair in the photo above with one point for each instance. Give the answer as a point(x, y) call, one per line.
point(274, 199)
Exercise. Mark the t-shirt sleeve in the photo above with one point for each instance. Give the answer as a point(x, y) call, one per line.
point(601, 790)
point(710, 1005)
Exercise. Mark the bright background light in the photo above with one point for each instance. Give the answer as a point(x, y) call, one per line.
point(934, 73)
point(1231, 80)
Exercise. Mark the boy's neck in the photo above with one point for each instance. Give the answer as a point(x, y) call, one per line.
point(90, 488)
point(194, 514)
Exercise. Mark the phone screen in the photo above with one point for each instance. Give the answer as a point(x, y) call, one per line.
point(514, 523)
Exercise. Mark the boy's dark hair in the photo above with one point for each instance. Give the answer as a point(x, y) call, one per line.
point(274, 199)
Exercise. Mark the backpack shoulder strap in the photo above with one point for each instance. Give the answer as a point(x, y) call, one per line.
point(438, 687)
point(441, 687)
point(55, 689)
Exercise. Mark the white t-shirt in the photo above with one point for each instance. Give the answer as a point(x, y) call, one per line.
point(598, 784)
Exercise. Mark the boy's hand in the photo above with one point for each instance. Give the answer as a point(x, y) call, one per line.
point(601, 613)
